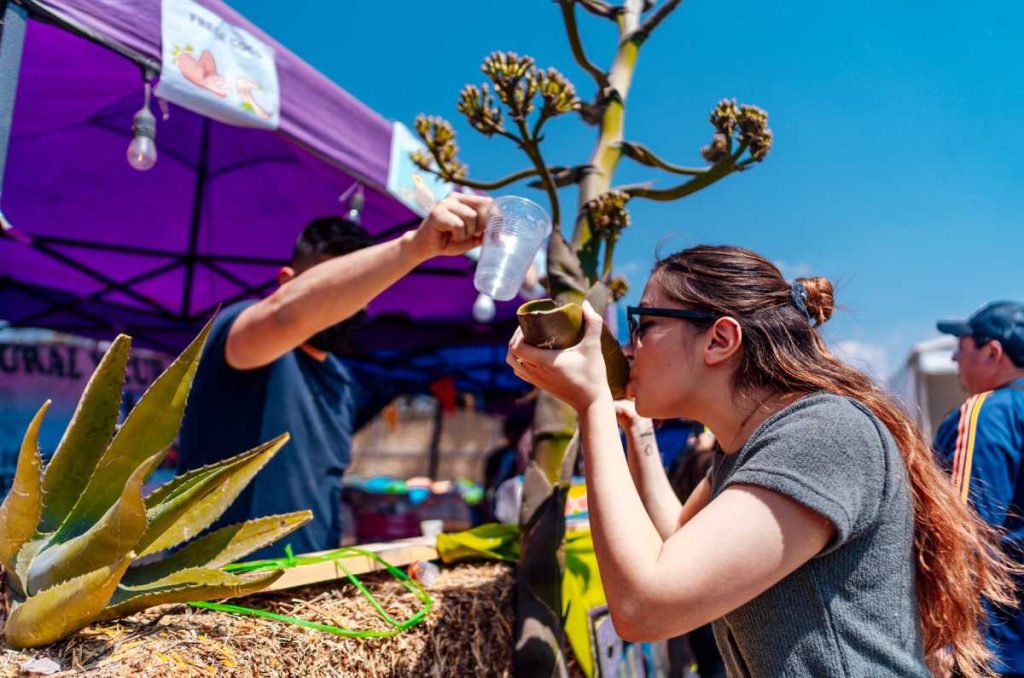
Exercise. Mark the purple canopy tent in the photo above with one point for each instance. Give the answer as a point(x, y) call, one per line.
point(91, 246)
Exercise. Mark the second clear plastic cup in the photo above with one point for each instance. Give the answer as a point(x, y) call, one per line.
point(515, 229)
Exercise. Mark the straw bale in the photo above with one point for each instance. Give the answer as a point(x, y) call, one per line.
point(469, 632)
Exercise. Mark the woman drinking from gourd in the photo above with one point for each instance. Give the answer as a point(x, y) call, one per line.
point(824, 541)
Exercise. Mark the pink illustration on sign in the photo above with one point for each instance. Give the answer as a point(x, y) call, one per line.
point(201, 72)
point(245, 89)
point(212, 80)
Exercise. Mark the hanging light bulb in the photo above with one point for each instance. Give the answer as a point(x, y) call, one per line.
point(142, 151)
point(483, 309)
point(355, 205)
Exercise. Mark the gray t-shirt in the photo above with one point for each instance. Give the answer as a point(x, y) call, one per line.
point(852, 609)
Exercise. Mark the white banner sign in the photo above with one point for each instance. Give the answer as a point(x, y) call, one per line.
point(217, 69)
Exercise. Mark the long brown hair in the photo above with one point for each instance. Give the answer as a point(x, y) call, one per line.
point(959, 561)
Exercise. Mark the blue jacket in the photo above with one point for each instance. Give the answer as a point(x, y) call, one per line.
point(982, 445)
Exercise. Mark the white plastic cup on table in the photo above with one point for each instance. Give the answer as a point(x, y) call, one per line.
point(515, 229)
point(431, 528)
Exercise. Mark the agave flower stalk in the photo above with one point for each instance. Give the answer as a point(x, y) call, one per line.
point(529, 97)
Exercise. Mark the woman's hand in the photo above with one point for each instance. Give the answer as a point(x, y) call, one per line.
point(575, 375)
point(629, 420)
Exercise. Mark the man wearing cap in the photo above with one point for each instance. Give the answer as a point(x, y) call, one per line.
point(982, 446)
point(273, 365)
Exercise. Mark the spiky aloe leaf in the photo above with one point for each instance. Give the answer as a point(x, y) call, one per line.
point(546, 324)
point(149, 428)
point(220, 547)
point(128, 600)
point(19, 514)
point(186, 482)
point(86, 437)
point(200, 497)
point(114, 535)
point(57, 612)
point(193, 576)
point(25, 556)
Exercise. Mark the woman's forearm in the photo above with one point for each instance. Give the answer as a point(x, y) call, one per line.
point(645, 466)
point(626, 541)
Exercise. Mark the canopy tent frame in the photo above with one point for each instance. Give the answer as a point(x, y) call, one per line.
point(188, 260)
point(41, 12)
point(135, 299)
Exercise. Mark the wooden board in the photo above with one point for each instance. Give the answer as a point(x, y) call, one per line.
point(399, 553)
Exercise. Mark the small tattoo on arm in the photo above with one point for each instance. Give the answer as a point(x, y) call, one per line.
point(648, 450)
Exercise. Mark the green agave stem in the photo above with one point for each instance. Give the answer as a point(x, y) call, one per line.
point(575, 265)
point(539, 633)
point(611, 130)
point(609, 251)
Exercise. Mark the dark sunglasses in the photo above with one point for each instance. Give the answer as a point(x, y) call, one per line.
point(685, 314)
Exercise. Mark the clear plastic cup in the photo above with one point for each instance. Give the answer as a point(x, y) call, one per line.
point(515, 229)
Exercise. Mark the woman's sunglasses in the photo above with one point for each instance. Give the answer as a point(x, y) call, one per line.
point(633, 311)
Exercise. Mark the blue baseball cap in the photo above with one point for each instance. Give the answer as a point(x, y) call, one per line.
point(1002, 321)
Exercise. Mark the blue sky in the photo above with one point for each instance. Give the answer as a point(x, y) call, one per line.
point(896, 170)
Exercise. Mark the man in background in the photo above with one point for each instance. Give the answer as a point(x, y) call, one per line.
point(269, 366)
point(982, 445)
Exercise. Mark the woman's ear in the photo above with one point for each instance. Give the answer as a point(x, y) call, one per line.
point(724, 340)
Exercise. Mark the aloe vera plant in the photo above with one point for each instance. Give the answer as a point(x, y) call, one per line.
point(70, 535)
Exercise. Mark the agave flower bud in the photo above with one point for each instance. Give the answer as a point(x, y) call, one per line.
point(558, 93)
point(724, 116)
point(477, 105)
point(422, 125)
point(717, 149)
point(515, 81)
point(441, 131)
point(619, 286)
point(608, 214)
point(422, 160)
point(499, 66)
point(754, 132)
point(519, 97)
point(439, 136)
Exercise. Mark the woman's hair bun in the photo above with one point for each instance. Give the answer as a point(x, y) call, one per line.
point(818, 297)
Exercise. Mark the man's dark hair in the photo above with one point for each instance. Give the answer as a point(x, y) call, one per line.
point(327, 237)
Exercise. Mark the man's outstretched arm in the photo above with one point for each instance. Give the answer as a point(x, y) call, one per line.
point(338, 288)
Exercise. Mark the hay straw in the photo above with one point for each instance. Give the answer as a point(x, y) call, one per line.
point(469, 632)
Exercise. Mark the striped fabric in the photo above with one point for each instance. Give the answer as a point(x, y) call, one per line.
point(965, 438)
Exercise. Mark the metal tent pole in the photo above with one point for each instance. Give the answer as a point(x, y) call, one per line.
point(12, 42)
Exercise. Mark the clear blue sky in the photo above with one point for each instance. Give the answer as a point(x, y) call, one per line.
point(897, 168)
